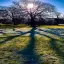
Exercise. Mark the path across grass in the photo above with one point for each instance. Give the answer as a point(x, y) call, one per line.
point(33, 46)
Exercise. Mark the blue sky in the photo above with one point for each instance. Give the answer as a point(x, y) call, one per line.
point(58, 3)
point(5, 2)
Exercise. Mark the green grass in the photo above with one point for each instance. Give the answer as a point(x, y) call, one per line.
point(46, 50)
point(24, 25)
point(12, 26)
point(8, 50)
point(52, 26)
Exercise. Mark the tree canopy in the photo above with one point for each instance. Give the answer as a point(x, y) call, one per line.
point(31, 11)
point(40, 9)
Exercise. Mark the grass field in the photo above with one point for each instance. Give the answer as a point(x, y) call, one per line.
point(23, 25)
point(41, 45)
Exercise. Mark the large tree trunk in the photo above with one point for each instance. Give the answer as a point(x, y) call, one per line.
point(32, 23)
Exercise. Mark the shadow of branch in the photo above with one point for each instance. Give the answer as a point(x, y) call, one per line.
point(50, 31)
point(28, 52)
point(54, 46)
point(12, 37)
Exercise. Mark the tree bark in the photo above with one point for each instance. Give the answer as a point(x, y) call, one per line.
point(33, 24)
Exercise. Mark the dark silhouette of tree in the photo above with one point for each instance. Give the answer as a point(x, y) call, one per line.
point(58, 14)
point(5, 16)
point(58, 20)
point(38, 11)
point(15, 17)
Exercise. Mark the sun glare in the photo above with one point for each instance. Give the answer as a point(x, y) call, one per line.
point(30, 6)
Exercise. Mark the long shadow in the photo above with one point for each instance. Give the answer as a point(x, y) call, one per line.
point(53, 45)
point(43, 35)
point(28, 52)
point(12, 37)
point(21, 33)
point(50, 31)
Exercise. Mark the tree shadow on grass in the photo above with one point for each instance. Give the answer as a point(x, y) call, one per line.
point(49, 31)
point(29, 52)
point(12, 37)
point(54, 45)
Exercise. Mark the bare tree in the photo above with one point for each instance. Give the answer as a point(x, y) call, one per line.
point(58, 14)
point(33, 9)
